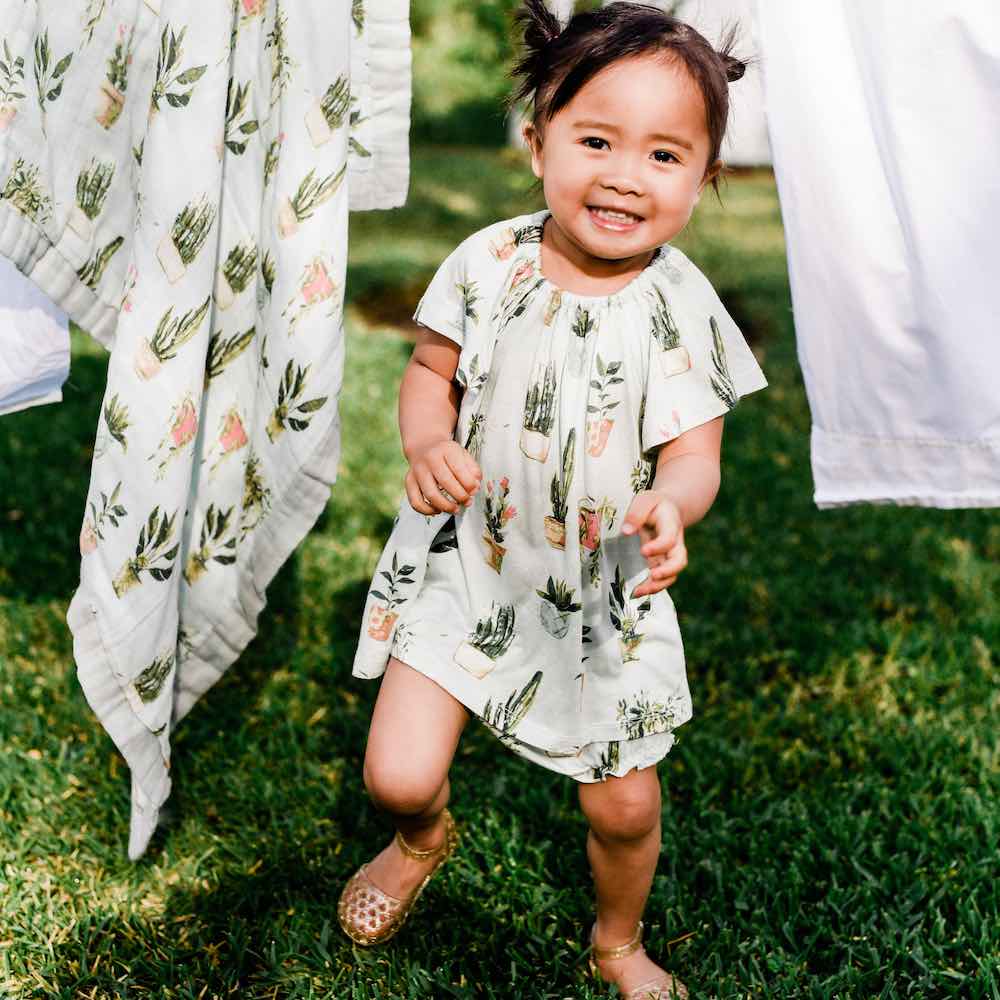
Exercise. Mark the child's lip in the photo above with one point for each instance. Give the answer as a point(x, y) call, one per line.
point(612, 225)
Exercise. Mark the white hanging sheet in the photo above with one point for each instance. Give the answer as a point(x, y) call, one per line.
point(884, 119)
point(34, 344)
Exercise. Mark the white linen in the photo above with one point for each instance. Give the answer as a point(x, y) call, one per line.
point(34, 344)
point(885, 129)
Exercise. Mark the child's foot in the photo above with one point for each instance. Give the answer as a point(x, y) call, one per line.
point(635, 970)
point(397, 874)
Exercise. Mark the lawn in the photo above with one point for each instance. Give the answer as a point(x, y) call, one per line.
point(831, 818)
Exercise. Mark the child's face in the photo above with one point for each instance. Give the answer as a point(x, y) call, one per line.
point(633, 140)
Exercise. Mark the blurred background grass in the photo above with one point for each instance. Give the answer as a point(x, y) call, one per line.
point(830, 814)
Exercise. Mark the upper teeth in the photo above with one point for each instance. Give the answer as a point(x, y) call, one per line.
point(611, 214)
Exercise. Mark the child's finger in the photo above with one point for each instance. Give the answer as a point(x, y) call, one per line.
point(447, 480)
point(648, 586)
point(460, 469)
point(432, 492)
point(415, 496)
point(638, 513)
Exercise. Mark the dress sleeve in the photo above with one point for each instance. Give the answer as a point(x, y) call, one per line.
point(445, 305)
point(699, 363)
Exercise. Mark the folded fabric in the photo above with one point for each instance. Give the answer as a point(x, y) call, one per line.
point(177, 176)
point(885, 129)
point(34, 344)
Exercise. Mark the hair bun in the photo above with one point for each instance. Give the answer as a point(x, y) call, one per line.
point(735, 68)
point(540, 25)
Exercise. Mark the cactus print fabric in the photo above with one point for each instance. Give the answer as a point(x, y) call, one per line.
point(520, 605)
point(177, 177)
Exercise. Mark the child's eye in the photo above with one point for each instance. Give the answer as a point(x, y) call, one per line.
point(664, 156)
point(594, 139)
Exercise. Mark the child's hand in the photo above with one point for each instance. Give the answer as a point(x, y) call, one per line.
point(658, 520)
point(440, 475)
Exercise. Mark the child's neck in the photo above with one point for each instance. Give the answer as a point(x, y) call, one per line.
point(572, 269)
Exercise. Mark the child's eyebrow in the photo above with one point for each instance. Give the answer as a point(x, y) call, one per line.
point(606, 127)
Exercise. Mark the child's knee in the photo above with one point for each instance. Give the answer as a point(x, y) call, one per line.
point(620, 813)
point(396, 788)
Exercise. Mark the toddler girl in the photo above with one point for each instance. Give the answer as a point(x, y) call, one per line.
point(562, 417)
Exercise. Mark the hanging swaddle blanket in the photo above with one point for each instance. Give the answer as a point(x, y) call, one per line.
point(885, 128)
point(176, 176)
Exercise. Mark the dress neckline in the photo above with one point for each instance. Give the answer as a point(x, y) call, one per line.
point(637, 284)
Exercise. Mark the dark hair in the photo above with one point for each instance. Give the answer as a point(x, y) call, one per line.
point(558, 60)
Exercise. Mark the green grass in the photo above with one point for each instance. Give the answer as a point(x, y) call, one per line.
point(830, 813)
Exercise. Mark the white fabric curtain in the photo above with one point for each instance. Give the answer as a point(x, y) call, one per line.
point(885, 128)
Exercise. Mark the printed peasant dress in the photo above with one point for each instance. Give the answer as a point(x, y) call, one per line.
point(520, 605)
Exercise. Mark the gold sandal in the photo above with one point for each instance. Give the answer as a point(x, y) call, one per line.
point(670, 988)
point(370, 916)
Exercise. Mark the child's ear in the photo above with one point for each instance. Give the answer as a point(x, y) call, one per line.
point(711, 172)
point(534, 142)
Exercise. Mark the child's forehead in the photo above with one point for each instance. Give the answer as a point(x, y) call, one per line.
point(644, 91)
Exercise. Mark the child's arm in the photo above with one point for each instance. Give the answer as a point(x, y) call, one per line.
point(684, 488)
point(429, 399)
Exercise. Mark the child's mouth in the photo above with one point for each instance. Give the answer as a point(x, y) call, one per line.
point(612, 220)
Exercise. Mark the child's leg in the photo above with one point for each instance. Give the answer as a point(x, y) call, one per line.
point(414, 731)
point(623, 847)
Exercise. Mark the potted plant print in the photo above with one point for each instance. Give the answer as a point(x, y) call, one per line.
point(149, 683)
point(383, 616)
point(593, 519)
point(256, 496)
point(474, 439)
point(556, 607)
point(722, 381)
point(599, 427)
point(111, 510)
point(505, 717)
point(11, 82)
point(187, 236)
point(643, 716)
point(183, 428)
point(232, 437)
point(329, 112)
point(644, 471)
point(223, 350)
point(24, 191)
point(626, 616)
point(555, 523)
point(289, 412)
point(171, 335)
point(92, 272)
point(236, 133)
point(520, 290)
point(610, 760)
point(497, 514)
point(583, 326)
point(153, 553)
point(171, 84)
point(92, 186)
point(356, 120)
point(315, 286)
point(310, 195)
point(470, 296)
point(552, 307)
point(211, 547)
point(539, 414)
point(234, 275)
point(494, 634)
point(281, 62)
point(116, 422)
point(49, 84)
point(674, 357)
point(111, 99)
point(504, 245)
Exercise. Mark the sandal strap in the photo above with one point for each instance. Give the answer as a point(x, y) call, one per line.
point(619, 951)
point(430, 852)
